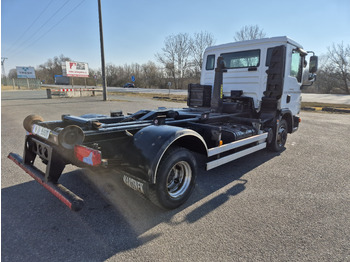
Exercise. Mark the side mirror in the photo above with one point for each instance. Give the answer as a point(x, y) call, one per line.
point(312, 77)
point(313, 64)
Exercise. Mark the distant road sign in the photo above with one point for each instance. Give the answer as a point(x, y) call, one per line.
point(133, 78)
point(25, 72)
point(75, 69)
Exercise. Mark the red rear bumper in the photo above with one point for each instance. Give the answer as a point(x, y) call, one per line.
point(66, 196)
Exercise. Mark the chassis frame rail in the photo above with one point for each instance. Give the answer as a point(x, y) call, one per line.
point(66, 196)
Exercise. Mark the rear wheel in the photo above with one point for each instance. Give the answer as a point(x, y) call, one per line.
point(175, 178)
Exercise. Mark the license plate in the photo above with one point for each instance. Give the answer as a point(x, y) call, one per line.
point(41, 131)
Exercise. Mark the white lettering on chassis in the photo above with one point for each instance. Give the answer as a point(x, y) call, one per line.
point(138, 186)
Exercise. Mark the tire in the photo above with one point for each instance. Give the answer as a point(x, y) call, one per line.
point(280, 136)
point(175, 178)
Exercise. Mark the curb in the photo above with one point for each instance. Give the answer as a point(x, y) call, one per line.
point(308, 108)
point(326, 109)
point(336, 110)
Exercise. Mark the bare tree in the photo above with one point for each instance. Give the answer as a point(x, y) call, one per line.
point(199, 42)
point(176, 57)
point(249, 32)
point(151, 75)
point(112, 75)
point(135, 70)
point(50, 68)
point(325, 81)
point(12, 73)
point(339, 64)
point(98, 74)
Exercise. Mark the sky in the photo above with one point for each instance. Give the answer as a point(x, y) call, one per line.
point(32, 31)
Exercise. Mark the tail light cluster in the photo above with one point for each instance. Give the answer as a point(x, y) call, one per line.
point(87, 155)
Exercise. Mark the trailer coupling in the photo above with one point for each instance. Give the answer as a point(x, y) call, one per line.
point(66, 196)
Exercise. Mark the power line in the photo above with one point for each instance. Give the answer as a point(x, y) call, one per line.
point(29, 27)
point(61, 20)
point(40, 37)
point(38, 30)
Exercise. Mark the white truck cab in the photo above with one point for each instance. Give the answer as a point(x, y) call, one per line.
point(247, 63)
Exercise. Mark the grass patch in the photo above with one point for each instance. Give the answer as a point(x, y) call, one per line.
point(5, 88)
point(321, 105)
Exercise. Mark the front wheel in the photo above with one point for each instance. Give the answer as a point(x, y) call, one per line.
point(175, 178)
point(280, 136)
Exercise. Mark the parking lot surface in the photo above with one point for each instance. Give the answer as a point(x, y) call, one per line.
point(288, 206)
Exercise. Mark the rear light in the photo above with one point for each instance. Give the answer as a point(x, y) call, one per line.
point(88, 155)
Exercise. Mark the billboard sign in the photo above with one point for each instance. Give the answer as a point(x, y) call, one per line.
point(75, 69)
point(25, 72)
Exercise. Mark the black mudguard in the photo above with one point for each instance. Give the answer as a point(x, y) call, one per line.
point(150, 144)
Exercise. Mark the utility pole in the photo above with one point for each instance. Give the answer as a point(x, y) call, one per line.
point(102, 54)
point(3, 66)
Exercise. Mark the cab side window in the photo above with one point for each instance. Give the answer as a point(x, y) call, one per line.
point(210, 62)
point(268, 56)
point(242, 59)
point(296, 67)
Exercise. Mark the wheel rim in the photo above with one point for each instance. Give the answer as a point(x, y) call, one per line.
point(282, 135)
point(179, 179)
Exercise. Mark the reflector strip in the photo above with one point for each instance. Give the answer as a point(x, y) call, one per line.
point(88, 155)
point(75, 90)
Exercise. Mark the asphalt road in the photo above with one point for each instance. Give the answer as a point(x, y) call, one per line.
point(292, 206)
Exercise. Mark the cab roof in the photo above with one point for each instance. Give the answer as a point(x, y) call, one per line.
point(256, 42)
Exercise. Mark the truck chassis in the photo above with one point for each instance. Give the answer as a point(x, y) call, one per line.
point(156, 149)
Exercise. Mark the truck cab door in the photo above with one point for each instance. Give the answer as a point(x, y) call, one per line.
point(291, 97)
